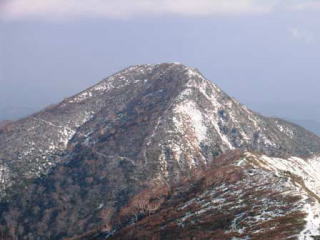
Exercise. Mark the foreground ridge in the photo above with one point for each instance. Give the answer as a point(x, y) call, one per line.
point(240, 196)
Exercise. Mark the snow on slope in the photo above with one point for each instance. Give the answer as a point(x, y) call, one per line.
point(242, 197)
point(187, 122)
point(304, 174)
point(116, 81)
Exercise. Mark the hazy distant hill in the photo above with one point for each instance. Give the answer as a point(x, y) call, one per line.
point(311, 125)
point(15, 112)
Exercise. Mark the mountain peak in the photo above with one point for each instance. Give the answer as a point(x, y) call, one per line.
point(137, 75)
point(145, 125)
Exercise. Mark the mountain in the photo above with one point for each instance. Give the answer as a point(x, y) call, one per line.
point(137, 136)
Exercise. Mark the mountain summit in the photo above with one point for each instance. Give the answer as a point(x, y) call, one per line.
point(80, 165)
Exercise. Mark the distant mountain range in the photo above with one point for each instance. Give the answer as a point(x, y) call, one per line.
point(157, 152)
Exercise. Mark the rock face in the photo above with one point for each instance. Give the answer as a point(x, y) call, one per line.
point(75, 166)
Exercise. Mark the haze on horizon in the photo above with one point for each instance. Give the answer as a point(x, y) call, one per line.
point(264, 53)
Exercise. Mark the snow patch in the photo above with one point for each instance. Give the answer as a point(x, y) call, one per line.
point(187, 116)
point(307, 170)
point(312, 227)
point(285, 130)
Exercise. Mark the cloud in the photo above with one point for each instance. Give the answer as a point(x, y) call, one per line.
point(64, 9)
point(302, 35)
point(123, 8)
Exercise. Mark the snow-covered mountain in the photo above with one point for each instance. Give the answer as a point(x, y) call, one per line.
point(75, 167)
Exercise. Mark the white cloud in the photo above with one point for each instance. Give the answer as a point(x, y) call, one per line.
point(61, 9)
point(302, 35)
point(122, 8)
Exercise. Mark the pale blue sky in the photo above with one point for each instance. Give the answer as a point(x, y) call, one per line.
point(265, 55)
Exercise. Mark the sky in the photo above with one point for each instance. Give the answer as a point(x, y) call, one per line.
point(265, 53)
